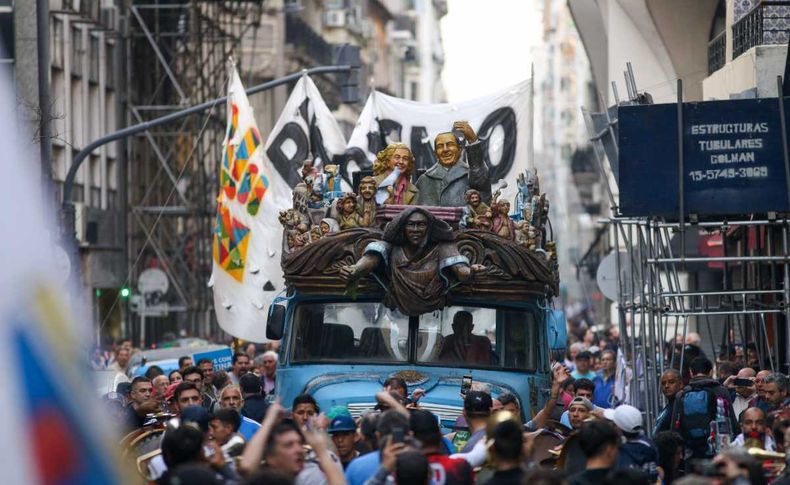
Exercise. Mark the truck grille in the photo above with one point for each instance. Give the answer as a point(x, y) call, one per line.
point(445, 412)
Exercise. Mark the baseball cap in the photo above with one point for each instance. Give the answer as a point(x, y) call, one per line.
point(627, 418)
point(342, 423)
point(197, 415)
point(336, 411)
point(423, 423)
point(578, 400)
point(478, 403)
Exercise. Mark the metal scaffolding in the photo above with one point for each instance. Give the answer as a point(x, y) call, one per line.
point(177, 56)
point(656, 309)
point(742, 301)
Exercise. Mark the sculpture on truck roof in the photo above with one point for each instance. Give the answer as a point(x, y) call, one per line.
point(420, 259)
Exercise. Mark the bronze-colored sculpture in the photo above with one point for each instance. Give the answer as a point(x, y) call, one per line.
point(457, 170)
point(503, 225)
point(417, 250)
point(366, 201)
point(477, 214)
point(329, 226)
point(347, 211)
point(394, 185)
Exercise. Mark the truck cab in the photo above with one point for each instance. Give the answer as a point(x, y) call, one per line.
point(341, 347)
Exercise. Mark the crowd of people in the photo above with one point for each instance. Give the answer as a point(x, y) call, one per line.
point(230, 427)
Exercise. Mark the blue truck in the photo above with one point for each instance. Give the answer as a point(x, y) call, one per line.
point(340, 347)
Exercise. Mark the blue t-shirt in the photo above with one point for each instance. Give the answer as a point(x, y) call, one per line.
point(248, 427)
point(577, 375)
point(362, 468)
point(603, 391)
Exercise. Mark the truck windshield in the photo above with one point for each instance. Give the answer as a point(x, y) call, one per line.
point(467, 336)
point(353, 331)
point(479, 337)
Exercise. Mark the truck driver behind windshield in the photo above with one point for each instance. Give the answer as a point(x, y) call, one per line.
point(462, 345)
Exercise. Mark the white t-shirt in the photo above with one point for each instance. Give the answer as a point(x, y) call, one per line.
point(768, 442)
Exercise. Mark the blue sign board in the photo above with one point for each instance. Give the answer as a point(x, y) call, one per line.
point(221, 358)
point(733, 159)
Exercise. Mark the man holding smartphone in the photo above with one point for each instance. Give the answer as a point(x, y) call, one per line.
point(741, 387)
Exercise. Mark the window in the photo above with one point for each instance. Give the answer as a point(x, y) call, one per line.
point(77, 49)
point(56, 43)
point(479, 337)
point(459, 336)
point(94, 59)
point(354, 331)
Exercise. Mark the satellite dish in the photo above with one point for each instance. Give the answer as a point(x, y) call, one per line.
point(153, 280)
point(606, 276)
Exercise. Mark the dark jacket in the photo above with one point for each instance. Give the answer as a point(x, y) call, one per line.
point(639, 453)
point(665, 417)
point(255, 407)
point(718, 391)
point(441, 187)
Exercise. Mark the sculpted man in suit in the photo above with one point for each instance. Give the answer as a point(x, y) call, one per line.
point(457, 170)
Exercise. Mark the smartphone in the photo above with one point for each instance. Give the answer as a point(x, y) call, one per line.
point(466, 384)
point(741, 382)
point(397, 435)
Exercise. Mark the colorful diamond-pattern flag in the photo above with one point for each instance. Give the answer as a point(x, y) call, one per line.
point(242, 185)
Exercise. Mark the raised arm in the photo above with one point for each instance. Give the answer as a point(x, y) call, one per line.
point(560, 374)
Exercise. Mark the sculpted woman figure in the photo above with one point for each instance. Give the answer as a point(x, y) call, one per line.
point(394, 183)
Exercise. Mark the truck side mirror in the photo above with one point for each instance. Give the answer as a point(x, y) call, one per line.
point(275, 323)
point(557, 329)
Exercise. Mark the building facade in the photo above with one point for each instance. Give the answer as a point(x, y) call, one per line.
point(147, 202)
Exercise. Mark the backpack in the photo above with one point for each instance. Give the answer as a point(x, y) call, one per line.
point(697, 409)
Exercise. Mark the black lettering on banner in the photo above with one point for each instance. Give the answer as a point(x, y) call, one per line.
point(422, 151)
point(355, 154)
point(389, 130)
point(288, 167)
point(506, 118)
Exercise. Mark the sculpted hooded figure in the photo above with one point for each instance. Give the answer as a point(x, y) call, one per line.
point(446, 182)
point(419, 256)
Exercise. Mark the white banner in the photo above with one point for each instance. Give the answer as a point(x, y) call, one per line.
point(255, 185)
point(502, 120)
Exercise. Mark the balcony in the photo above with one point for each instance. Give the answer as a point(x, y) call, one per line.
point(717, 52)
point(306, 41)
point(767, 23)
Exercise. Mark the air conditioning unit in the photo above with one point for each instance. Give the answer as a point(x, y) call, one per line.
point(335, 18)
point(109, 18)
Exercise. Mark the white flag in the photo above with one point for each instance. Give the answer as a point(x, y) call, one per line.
point(255, 185)
point(502, 120)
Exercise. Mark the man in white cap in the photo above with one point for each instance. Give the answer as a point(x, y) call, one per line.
point(637, 451)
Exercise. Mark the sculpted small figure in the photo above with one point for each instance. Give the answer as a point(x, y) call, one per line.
point(503, 225)
point(316, 233)
point(477, 213)
point(347, 209)
point(329, 226)
point(366, 201)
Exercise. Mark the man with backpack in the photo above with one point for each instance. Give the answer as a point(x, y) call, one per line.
point(701, 404)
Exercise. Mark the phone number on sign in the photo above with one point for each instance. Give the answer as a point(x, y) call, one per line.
point(729, 173)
